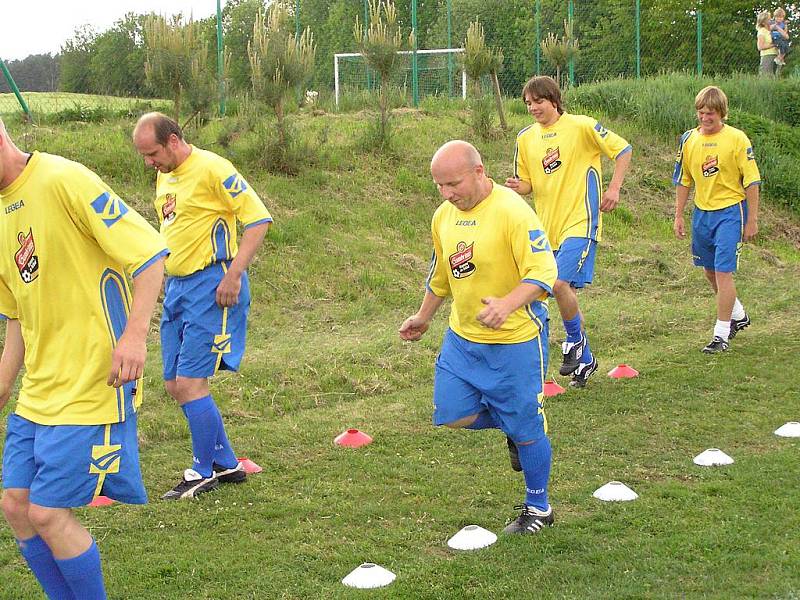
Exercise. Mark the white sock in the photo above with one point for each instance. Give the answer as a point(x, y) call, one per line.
point(738, 311)
point(722, 329)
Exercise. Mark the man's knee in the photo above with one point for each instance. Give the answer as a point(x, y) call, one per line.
point(15, 505)
point(172, 388)
point(45, 519)
point(562, 287)
point(462, 422)
point(187, 389)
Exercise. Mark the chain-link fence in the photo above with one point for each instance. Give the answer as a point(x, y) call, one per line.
point(615, 38)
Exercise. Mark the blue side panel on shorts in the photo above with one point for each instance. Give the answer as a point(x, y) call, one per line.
point(221, 241)
point(116, 306)
point(592, 202)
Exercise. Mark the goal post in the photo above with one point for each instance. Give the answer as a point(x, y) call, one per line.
point(438, 73)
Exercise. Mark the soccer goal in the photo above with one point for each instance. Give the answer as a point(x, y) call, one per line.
point(438, 72)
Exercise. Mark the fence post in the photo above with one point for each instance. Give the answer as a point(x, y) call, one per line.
point(450, 45)
point(15, 89)
point(638, 39)
point(699, 42)
point(296, 20)
point(366, 27)
point(220, 60)
point(571, 17)
point(538, 37)
point(414, 65)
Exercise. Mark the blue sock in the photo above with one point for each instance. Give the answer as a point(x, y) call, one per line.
point(484, 421)
point(586, 357)
point(84, 574)
point(41, 562)
point(223, 451)
point(203, 424)
point(535, 460)
point(573, 328)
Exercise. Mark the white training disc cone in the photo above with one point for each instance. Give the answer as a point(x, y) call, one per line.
point(615, 491)
point(472, 537)
point(367, 576)
point(713, 457)
point(790, 429)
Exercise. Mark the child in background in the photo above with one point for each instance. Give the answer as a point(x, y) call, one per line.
point(780, 35)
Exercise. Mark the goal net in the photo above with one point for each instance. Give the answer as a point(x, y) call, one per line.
point(438, 73)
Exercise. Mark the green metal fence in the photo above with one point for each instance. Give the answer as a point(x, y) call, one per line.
point(616, 38)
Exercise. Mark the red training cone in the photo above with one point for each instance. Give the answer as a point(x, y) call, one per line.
point(249, 466)
point(352, 438)
point(100, 501)
point(623, 372)
point(551, 388)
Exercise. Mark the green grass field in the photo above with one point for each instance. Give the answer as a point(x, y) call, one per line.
point(343, 266)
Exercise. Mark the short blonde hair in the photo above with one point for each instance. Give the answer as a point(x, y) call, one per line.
point(762, 20)
point(778, 12)
point(712, 98)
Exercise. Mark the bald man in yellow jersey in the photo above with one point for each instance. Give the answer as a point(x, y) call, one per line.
point(718, 161)
point(67, 245)
point(200, 196)
point(557, 160)
point(490, 253)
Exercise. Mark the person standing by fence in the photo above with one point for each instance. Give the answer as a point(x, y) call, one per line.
point(766, 49)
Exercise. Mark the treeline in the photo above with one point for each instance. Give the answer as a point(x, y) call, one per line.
point(35, 73)
point(112, 62)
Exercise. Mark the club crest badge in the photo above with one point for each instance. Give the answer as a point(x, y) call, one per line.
point(710, 166)
point(25, 257)
point(168, 209)
point(551, 160)
point(460, 264)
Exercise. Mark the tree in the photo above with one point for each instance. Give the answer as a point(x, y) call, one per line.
point(116, 62)
point(279, 63)
point(478, 61)
point(559, 51)
point(76, 55)
point(34, 73)
point(379, 43)
point(176, 59)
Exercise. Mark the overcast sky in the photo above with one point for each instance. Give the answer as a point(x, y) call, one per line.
point(42, 26)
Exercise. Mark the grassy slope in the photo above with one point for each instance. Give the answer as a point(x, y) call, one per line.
point(343, 266)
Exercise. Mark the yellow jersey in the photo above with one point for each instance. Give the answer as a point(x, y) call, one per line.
point(719, 166)
point(488, 251)
point(562, 164)
point(198, 204)
point(67, 241)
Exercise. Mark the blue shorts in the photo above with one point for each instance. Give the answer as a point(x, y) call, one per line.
point(198, 336)
point(575, 259)
point(65, 466)
point(717, 237)
point(505, 379)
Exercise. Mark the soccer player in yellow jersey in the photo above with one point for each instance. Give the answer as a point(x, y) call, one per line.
point(557, 159)
point(67, 242)
point(199, 199)
point(490, 253)
point(718, 161)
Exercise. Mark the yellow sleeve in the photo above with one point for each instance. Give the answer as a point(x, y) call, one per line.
point(682, 175)
point(520, 160)
point(746, 161)
point(609, 142)
point(245, 203)
point(8, 304)
point(532, 252)
point(438, 282)
point(118, 229)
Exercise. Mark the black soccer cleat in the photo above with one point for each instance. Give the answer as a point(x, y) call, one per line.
point(191, 486)
point(716, 346)
point(235, 474)
point(513, 454)
point(583, 372)
point(737, 325)
point(571, 352)
point(530, 521)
